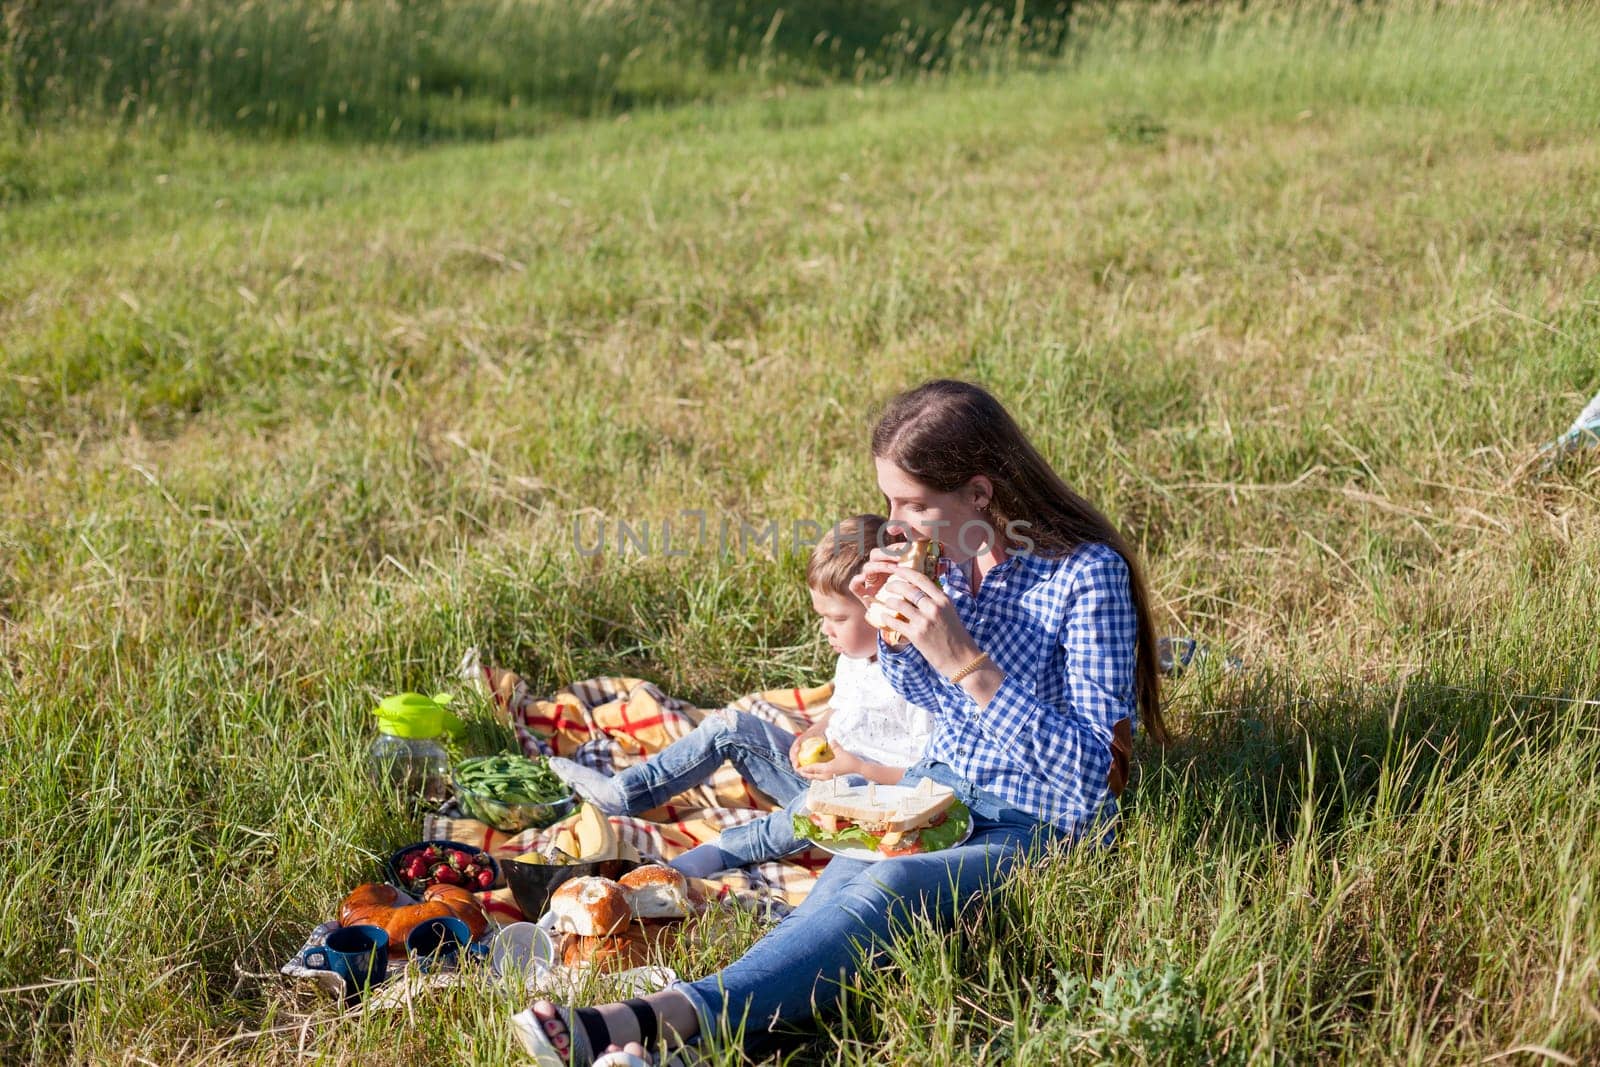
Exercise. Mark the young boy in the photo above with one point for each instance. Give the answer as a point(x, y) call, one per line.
point(869, 728)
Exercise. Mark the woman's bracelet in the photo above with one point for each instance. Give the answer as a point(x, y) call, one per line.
point(983, 657)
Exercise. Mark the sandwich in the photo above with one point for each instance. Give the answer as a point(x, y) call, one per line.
point(892, 820)
point(921, 556)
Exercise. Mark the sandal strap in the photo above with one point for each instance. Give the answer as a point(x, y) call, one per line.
point(645, 1016)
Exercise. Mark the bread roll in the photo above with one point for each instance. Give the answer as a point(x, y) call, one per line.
point(657, 892)
point(462, 904)
point(590, 907)
point(617, 952)
point(370, 904)
point(402, 921)
point(376, 904)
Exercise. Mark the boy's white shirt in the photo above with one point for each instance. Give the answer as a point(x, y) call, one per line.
point(873, 721)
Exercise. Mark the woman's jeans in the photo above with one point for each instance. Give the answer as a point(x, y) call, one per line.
point(758, 750)
point(854, 911)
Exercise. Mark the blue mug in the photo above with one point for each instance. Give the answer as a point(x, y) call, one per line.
point(358, 954)
point(438, 942)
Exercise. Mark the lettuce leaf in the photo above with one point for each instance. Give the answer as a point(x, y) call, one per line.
point(807, 830)
point(933, 838)
point(947, 833)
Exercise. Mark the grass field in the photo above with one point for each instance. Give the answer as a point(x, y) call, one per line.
point(288, 420)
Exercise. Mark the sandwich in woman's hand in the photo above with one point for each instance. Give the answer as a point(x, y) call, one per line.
point(921, 556)
point(892, 820)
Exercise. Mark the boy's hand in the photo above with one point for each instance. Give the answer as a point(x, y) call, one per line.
point(819, 730)
point(843, 762)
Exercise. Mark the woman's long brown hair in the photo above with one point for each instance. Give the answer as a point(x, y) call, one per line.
point(944, 432)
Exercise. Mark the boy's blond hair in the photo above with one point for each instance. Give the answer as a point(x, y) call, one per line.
point(841, 552)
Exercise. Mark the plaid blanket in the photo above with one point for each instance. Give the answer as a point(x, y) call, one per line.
point(612, 723)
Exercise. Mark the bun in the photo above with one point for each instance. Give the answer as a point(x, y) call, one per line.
point(657, 892)
point(616, 952)
point(376, 904)
point(462, 904)
point(369, 904)
point(590, 907)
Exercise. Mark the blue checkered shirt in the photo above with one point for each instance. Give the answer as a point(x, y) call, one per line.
point(1064, 631)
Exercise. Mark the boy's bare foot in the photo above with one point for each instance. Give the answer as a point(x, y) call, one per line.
point(598, 789)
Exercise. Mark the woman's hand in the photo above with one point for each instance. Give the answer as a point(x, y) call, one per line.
point(930, 621)
point(881, 562)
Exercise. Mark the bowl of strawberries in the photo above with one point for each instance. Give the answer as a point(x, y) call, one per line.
point(416, 867)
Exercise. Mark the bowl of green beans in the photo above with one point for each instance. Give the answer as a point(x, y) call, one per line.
point(511, 793)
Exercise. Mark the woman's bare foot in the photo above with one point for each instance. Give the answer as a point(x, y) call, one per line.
point(556, 1030)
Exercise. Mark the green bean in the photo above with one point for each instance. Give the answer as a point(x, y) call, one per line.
point(511, 779)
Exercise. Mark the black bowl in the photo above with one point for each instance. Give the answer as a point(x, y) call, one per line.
point(534, 883)
point(392, 867)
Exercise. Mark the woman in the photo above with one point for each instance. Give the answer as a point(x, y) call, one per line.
point(1034, 653)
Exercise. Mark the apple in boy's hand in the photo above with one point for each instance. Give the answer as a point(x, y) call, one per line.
point(813, 750)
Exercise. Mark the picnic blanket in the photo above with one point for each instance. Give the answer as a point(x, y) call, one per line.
point(611, 723)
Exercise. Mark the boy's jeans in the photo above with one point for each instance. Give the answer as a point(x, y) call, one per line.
point(760, 753)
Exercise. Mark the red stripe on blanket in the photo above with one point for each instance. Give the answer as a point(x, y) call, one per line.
point(555, 723)
point(799, 701)
point(629, 725)
point(510, 911)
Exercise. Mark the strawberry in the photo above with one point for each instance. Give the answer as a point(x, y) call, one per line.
point(485, 879)
point(415, 866)
point(459, 859)
point(448, 876)
point(433, 853)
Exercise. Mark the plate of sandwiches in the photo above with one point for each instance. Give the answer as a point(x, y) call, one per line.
point(615, 925)
point(877, 822)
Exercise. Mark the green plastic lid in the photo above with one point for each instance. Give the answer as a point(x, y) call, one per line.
point(416, 715)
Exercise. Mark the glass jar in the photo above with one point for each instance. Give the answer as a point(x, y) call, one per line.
point(407, 757)
point(417, 768)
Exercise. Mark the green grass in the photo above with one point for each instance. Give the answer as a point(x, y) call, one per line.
point(286, 423)
point(451, 69)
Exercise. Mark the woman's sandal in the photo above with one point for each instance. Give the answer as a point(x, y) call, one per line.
point(530, 1033)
